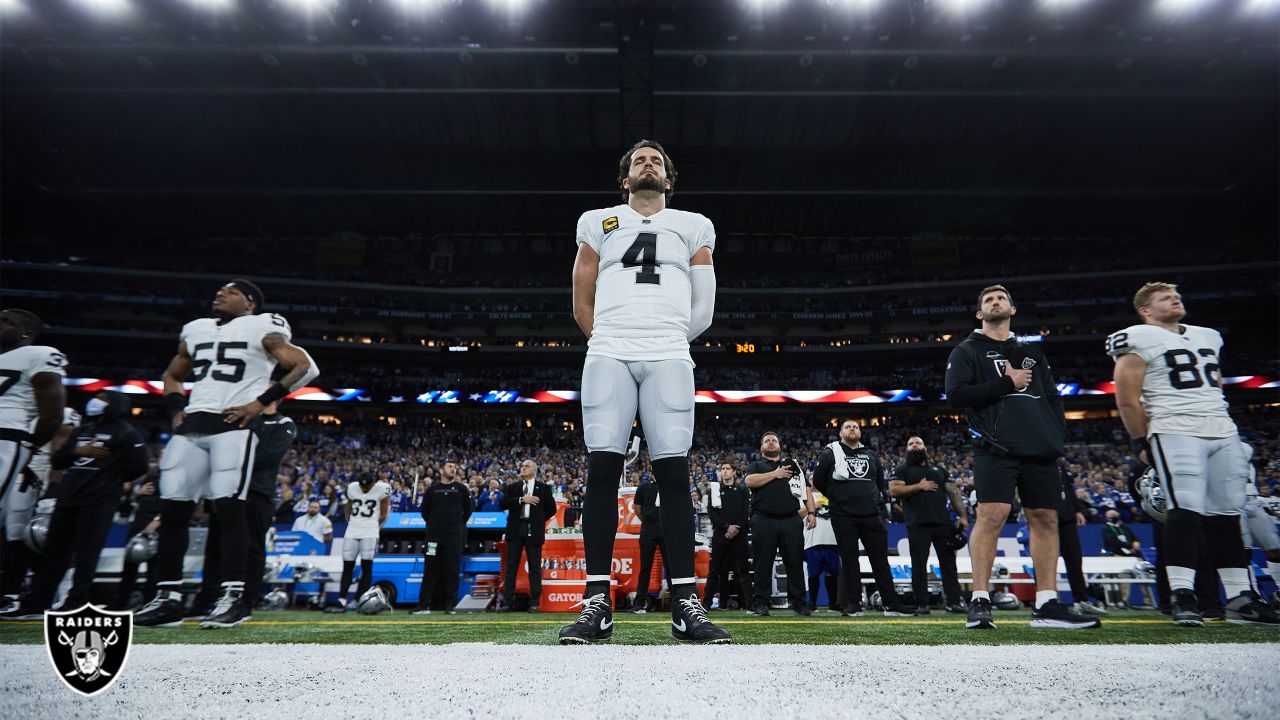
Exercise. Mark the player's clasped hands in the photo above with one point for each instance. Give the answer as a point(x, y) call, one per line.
point(1021, 378)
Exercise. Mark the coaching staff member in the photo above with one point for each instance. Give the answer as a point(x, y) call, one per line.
point(446, 506)
point(530, 506)
point(728, 514)
point(1015, 417)
point(850, 475)
point(924, 489)
point(776, 527)
point(101, 455)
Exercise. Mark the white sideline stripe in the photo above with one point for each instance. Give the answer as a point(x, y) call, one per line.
point(237, 681)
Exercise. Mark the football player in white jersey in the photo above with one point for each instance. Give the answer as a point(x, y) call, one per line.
point(1258, 524)
point(1169, 394)
point(229, 358)
point(38, 473)
point(367, 507)
point(643, 289)
point(32, 400)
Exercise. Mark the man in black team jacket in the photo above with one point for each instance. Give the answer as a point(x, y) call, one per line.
point(446, 506)
point(777, 503)
point(728, 514)
point(530, 506)
point(1016, 419)
point(850, 475)
point(923, 488)
point(101, 455)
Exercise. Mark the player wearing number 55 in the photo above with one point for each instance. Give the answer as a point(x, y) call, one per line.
point(229, 359)
point(1169, 394)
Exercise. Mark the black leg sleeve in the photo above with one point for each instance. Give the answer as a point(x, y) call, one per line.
point(676, 510)
point(211, 572)
point(1183, 538)
point(175, 518)
point(234, 545)
point(1223, 541)
point(649, 538)
point(348, 569)
point(600, 512)
point(1069, 548)
point(366, 578)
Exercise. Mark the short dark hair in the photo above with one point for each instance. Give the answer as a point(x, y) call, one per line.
point(767, 433)
point(844, 420)
point(624, 168)
point(28, 320)
point(991, 289)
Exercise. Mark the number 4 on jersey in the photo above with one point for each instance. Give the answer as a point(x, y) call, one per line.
point(643, 254)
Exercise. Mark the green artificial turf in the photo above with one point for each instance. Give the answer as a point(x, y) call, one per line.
point(300, 626)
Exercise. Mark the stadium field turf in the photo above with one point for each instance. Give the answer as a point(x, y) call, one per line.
point(399, 628)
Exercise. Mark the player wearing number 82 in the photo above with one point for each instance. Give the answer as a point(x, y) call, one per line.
point(643, 289)
point(1169, 394)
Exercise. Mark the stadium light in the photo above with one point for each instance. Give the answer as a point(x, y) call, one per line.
point(962, 8)
point(1258, 8)
point(213, 6)
point(511, 7)
point(11, 9)
point(1178, 9)
point(106, 9)
point(310, 7)
point(1059, 6)
point(863, 5)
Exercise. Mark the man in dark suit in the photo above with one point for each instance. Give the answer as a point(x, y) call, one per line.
point(530, 506)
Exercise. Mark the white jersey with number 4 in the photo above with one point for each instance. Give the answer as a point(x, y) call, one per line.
point(643, 291)
point(229, 365)
point(1182, 390)
point(365, 508)
point(17, 397)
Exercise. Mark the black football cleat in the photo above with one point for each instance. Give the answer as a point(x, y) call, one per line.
point(1248, 608)
point(689, 623)
point(164, 610)
point(230, 611)
point(1054, 614)
point(1186, 609)
point(594, 623)
point(980, 615)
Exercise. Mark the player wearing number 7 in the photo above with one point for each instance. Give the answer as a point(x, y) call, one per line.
point(643, 289)
point(1169, 394)
point(229, 358)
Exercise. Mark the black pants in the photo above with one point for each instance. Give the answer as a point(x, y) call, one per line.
point(519, 541)
point(728, 556)
point(1073, 558)
point(129, 572)
point(440, 581)
point(871, 531)
point(258, 510)
point(921, 537)
point(650, 539)
point(78, 531)
point(772, 536)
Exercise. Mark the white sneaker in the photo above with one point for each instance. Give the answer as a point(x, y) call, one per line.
point(1085, 607)
point(420, 612)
